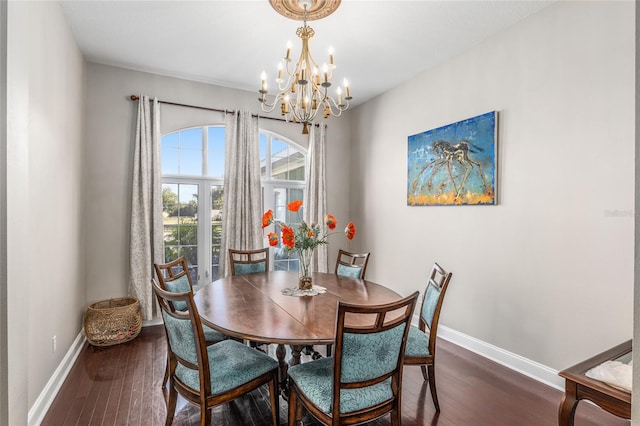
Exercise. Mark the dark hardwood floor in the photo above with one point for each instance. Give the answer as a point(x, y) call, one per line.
point(121, 385)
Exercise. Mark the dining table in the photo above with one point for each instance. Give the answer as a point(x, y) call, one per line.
point(257, 307)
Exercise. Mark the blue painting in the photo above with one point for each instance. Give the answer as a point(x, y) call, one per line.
point(454, 164)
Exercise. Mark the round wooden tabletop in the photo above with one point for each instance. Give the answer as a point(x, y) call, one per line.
point(252, 306)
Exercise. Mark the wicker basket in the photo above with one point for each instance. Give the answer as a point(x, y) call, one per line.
point(112, 321)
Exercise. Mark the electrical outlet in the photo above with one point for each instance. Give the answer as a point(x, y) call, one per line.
point(54, 344)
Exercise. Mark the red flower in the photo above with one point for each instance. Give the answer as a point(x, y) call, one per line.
point(350, 231)
point(294, 206)
point(331, 221)
point(273, 239)
point(309, 233)
point(267, 218)
point(288, 237)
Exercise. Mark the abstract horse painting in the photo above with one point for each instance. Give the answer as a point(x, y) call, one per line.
point(454, 164)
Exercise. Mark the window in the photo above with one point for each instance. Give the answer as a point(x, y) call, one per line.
point(283, 174)
point(193, 191)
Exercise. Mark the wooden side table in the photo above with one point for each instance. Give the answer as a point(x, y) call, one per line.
point(578, 386)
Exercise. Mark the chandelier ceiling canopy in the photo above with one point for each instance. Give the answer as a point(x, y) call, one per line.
point(303, 86)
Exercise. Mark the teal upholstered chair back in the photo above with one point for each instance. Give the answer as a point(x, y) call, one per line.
point(432, 301)
point(186, 342)
point(248, 261)
point(429, 303)
point(174, 277)
point(367, 361)
point(352, 265)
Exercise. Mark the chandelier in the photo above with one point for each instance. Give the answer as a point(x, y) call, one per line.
point(303, 88)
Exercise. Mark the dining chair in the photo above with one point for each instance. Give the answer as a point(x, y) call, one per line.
point(174, 276)
point(356, 385)
point(210, 375)
point(248, 261)
point(421, 344)
point(352, 265)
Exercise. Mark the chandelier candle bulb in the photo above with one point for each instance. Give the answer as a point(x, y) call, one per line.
point(339, 91)
point(279, 80)
point(288, 55)
point(346, 89)
point(263, 76)
point(331, 56)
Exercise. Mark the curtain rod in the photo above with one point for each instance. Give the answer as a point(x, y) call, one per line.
point(135, 98)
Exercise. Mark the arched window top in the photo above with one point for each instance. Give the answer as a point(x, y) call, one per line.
point(194, 151)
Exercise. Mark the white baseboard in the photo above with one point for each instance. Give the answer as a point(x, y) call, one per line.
point(48, 394)
point(154, 321)
point(515, 362)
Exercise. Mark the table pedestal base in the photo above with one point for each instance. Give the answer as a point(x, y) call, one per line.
point(281, 353)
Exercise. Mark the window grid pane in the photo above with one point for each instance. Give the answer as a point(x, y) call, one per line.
point(180, 211)
point(215, 156)
point(216, 229)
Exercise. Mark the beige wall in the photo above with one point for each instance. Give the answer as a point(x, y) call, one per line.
point(547, 274)
point(111, 119)
point(45, 256)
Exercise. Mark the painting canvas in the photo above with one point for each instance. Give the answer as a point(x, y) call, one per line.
point(454, 164)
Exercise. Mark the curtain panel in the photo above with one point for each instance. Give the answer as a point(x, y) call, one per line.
point(242, 204)
point(316, 195)
point(146, 244)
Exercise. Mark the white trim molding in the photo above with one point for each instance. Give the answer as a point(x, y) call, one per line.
point(51, 389)
point(515, 362)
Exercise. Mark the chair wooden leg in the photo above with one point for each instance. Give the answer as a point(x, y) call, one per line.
point(395, 418)
point(329, 350)
point(432, 385)
point(295, 409)
point(424, 372)
point(205, 415)
point(166, 374)
point(275, 399)
point(171, 405)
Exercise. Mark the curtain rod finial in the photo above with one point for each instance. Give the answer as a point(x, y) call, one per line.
point(134, 98)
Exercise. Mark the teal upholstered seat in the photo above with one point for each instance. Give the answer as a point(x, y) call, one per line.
point(228, 369)
point(175, 278)
point(248, 261)
point(417, 343)
point(421, 342)
point(367, 361)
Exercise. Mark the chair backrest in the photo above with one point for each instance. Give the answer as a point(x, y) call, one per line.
point(185, 338)
point(174, 277)
point(248, 261)
point(432, 303)
point(368, 359)
point(352, 265)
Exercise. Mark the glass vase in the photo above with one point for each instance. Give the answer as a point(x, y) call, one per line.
point(304, 257)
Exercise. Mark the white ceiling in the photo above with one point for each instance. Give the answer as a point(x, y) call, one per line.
point(378, 44)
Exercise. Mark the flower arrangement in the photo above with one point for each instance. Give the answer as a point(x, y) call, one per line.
point(304, 238)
